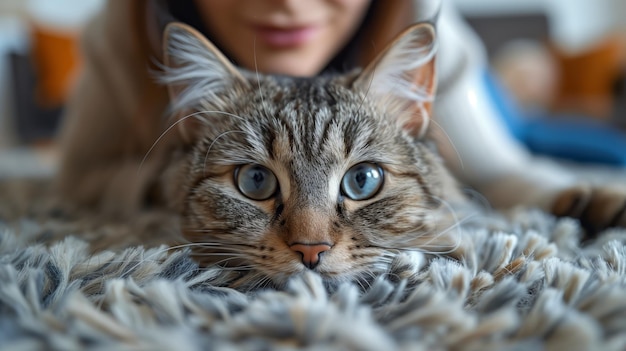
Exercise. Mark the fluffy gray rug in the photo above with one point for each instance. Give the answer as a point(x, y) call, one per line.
point(534, 287)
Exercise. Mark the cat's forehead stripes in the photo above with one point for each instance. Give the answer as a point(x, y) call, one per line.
point(315, 116)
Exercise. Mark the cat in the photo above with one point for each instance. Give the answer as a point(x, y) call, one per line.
point(331, 174)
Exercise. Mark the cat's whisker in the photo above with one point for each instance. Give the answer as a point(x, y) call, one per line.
point(149, 258)
point(240, 268)
point(141, 261)
point(228, 258)
point(429, 247)
point(216, 226)
point(254, 281)
point(392, 276)
point(180, 120)
point(233, 252)
point(265, 282)
point(430, 241)
point(230, 255)
point(236, 246)
point(224, 251)
point(191, 245)
point(206, 111)
point(457, 223)
point(258, 77)
point(219, 229)
point(206, 156)
point(222, 265)
point(367, 90)
point(359, 282)
point(387, 258)
point(221, 251)
point(205, 245)
point(224, 268)
point(370, 276)
point(216, 247)
point(478, 199)
point(256, 67)
point(447, 136)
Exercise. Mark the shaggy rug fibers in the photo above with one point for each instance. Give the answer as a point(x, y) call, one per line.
point(533, 287)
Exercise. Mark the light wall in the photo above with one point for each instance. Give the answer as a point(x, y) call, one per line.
point(575, 24)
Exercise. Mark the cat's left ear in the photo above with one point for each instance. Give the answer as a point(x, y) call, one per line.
point(403, 77)
point(195, 71)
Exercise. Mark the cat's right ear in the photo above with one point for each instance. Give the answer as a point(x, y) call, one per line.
point(195, 73)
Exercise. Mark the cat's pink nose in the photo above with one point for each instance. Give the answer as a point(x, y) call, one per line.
point(310, 253)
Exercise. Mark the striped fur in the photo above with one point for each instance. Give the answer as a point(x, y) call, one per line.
point(308, 132)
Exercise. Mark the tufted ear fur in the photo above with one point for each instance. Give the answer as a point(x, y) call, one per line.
point(403, 78)
point(195, 72)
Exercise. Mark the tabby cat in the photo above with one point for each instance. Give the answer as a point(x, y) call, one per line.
point(286, 174)
point(333, 174)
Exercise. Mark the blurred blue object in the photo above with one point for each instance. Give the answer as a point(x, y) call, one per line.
point(574, 138)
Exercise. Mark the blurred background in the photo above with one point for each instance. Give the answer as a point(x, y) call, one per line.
point(39, 61)
point(561, 56)
point(550, 60)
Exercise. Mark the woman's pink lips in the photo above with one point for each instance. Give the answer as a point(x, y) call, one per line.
point(285, 37)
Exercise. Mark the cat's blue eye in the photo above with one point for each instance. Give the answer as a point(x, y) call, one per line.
point(256, 182)
point(362, 181)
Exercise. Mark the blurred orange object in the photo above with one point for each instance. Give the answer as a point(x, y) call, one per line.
point(588, 78)
point(56, 60)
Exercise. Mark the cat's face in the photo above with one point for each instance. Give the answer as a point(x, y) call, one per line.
point(283, 175)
